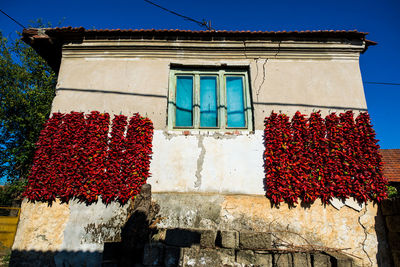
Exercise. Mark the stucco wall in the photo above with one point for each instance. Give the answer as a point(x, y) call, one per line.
point(74, 234)
point(207, 162)
point(125, 77)
point(66, 234)
point(117, 80)
point(195, 174)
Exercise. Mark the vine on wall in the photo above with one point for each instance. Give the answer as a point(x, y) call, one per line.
point(76, 158)
point(310, 158)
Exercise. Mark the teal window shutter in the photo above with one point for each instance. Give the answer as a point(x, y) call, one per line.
point(184, 101)
point(235, 102)
point(208, 101)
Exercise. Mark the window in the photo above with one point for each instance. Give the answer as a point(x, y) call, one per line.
point(209, 99)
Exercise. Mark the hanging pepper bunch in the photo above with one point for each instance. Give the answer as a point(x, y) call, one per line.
point(76, 158)
point(137, 155)
point(116, 147)
point(374, 187)
point(44, 162)
point(315, 158)
point(96, 146)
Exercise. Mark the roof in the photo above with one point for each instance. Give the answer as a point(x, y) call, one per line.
point(391, 164)
point(48, 41)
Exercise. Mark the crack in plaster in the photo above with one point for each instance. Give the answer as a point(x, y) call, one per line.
point(263, 79)
point(366, 235)
point(255, 78)
point(200, 161)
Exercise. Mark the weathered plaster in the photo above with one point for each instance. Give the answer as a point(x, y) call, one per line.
point(93, 79)
point(208, 162)
point(74, 233)
point(93, 225)
point(41, 227)
point(174, 162)
point(194, 175)
point(321, 226)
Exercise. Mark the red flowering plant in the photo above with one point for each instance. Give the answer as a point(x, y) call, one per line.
point(315, 158)
point(76, 158)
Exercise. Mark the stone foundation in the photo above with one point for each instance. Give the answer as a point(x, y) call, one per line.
point(73, 234)
point(200, 247)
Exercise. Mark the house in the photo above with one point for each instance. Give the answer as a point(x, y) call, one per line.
point(207, 94)
point(391, 158)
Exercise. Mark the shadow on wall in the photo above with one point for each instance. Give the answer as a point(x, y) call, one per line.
point(387, 226)
point(135, 234)
point(141, 243)
point(58, 258)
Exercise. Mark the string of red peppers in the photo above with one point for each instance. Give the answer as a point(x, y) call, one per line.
point(321, 158)
point(76, 158)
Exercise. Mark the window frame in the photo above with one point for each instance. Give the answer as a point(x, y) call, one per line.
point(221, 74)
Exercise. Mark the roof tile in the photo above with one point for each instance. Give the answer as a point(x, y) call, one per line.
point(391, 164)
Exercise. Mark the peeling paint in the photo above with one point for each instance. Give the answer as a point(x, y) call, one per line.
point(200, 161)
point(233, 162)
point(340, 229)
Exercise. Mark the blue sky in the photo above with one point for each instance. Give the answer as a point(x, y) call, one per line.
point(380, 18)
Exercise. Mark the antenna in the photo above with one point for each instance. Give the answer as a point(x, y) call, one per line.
point(203, 23)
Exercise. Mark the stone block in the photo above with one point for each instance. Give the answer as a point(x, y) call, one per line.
point(171, 256)
point(227, 256)
point(255, 240)
point(283, 260)
point(207, 257)
point(182, 237)
point(322, 260)
point(245, 257)
point(393, 223)
point(228, 252)
point(263, 259)
point(230, 239)
point(153, 254)
point(207, 239)
point(391, 206)
point(301, 260)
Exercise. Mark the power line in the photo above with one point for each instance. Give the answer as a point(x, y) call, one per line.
point(12, 19)
point(201, 23)
point(382, 83)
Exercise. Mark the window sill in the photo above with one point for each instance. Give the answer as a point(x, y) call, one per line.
point(210, 132)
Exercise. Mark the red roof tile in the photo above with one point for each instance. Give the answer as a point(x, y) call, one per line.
point(391, 164)
point(333, 33)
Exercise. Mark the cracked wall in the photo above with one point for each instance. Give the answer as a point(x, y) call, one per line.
point(214, 165)
point(68, 234)
point(208, 162)
point(129, 85)
point(317, 226)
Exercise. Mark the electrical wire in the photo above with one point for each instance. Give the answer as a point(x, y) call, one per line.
point(382, 83)
point(201, 23)
point(12, 19)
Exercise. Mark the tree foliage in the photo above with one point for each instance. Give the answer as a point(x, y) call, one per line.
point(27, 87)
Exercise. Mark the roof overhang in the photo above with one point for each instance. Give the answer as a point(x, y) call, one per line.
point(48, 42)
